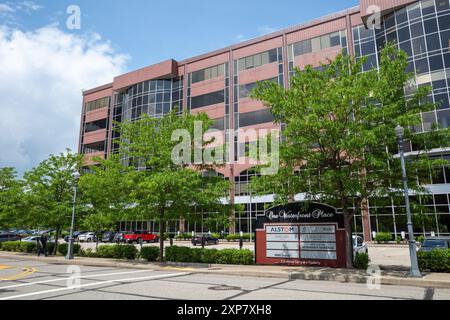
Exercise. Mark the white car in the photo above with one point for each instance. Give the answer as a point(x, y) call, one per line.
point(359, 246)
point(31, 239)
point(87, 237)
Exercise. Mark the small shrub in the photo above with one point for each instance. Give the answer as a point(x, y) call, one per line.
point(384, 237)
point(437, 260)
point(128, 252)
point(28, 247)
point(11, 246)
point(211, 256)
point(362, 261)
point(398, 240)
point(64, 247)
point(150, 253)
point(420, 239)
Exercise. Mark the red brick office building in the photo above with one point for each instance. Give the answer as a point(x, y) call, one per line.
point(219, 82)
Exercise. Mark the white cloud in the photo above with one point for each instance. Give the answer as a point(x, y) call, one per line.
point(29, 5)
point(4, 8)
point(42, 73)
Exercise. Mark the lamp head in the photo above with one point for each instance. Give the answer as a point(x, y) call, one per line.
point(399, 131)
point(76, 175)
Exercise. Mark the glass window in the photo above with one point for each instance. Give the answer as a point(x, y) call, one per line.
point(442, 101)
point(264, 58)
point(401, 16)
point(214, 73)
point(428, 7)
point(315, 44)
point(273, 55)
point(442, 5)
point(365, 33)
point(422, 66)
point(403, 34)
point(307, 46)
point(429, 120)
point(419, 46)
point(257, 60)
point(444, 122)
point(249, 62)
point(444, 22)
point(436, 63)
point(416, 30)
point(430, 26)
point(414, 11)
point(256, 117)
point(208, 99)
point(298, 49)
point(445, 38)
point(406, 46)
point(335, 39)
point(367, 48)
point(325, 42)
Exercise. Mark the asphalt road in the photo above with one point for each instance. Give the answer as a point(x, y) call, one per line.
point(31, 280)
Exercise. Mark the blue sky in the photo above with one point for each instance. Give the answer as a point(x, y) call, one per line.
point(151, 31)
point(44, 65)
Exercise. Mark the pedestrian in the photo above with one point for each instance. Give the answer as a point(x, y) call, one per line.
point(38, 246)
point(44, 243)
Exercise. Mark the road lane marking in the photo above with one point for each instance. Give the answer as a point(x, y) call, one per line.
point(95, 284)
point(26, 271)
point(74, 277)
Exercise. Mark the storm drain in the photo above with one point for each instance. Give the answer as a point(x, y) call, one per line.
point(224, 288)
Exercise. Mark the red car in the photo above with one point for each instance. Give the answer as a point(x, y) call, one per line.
point(137, 236)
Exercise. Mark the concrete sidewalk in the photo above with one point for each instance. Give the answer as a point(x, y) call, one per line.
point(430, 280)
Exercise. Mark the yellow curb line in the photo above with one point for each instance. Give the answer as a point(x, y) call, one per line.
point(3, 267)
point(26, 271)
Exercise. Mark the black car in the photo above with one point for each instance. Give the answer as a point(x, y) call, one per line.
point(108, 236)
point(5, 237)
point(206, 238)
point(75, 235)
point(435, 243)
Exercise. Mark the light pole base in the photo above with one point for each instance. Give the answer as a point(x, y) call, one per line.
point(415, 274)
point(69, 255)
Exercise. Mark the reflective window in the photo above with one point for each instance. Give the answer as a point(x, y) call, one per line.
point(320, 43)
point(255, 117)
point(208, 99)
point(95, 125)
point(97, 104)
point(258, 60)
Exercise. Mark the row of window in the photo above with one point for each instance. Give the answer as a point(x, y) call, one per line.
point(255, 117)
point(208, 73)
point(155, 85)
point(208, 99)
point(246, 89)
point(97, 104)
point(95, 125)
point(258, 60)
point(94, 147)
point(319, 43)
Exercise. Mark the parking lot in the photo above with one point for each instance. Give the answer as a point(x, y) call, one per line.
point(44, 281)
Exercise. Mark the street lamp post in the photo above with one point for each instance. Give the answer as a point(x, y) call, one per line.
point(415, 272)
point(69, 256)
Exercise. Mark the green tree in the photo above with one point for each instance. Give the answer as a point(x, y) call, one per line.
point(339, 140)
point(105, 195)
point(163, 188)
point(12, 199)
point(50, 188)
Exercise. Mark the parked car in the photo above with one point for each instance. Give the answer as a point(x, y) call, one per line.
point(87, 237)
point(207, 238)
point(119, 237)
point(108, 236)
point(359, 246)
point(137, 236)
point(76, 234)
point(5, 237)
point(430, 244)
point(31, 239)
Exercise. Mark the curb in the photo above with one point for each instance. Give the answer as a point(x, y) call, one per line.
point(343, 276)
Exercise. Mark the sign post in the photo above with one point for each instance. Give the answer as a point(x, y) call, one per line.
point(302, 234)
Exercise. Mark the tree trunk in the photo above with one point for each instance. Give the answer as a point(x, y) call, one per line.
point(55, 249)
point(161, 238)
point(96, 242)
point(348, 238)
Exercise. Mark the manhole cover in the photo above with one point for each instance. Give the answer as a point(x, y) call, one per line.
point(224, 288)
